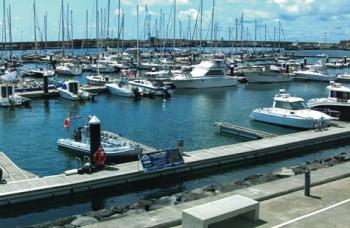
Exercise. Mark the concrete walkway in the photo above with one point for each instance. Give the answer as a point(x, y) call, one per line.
point(281, 201)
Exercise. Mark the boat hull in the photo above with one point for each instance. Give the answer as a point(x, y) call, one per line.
point(84, 149)
point(67, 95)
point(199, 83)
point(119, 91)
point(307, 123)
point(267, 77)
point(325, 106)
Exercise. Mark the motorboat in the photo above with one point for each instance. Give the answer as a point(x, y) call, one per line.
point(9, 98)
point(123, 89)
point(338, 101)
point(292, 112)
point(343, 77)
point(39, 73)
point(207, 74)
point(98, 80)
point(113, 145)
point(151, 89)
point(313, 75)
point(71, 90)
point(68, 69)
point(267, 74)
point(101, 68)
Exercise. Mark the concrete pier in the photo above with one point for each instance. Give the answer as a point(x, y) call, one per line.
point(50, 186)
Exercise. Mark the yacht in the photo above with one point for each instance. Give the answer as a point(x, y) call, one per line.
point(111, 143)
point(207, 74)
point(123, 89)
point(98, 80)
point(39, 73)
point(68, 69)
point(313, 75)
point(338, 101)
point(71, 90)
point(8, 96)
point(151, 89)
point(344, 77)
point(265, 74)
point(292, 112)
point(101, 68)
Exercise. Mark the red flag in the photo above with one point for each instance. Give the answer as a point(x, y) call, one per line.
point(66, 122)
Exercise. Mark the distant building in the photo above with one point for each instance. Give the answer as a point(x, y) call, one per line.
point(344, 44)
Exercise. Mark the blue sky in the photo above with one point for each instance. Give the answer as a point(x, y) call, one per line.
point(302, 20)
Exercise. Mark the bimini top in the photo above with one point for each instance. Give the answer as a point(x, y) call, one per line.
point(338, 87)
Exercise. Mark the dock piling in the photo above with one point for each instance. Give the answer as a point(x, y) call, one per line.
point(95, 135)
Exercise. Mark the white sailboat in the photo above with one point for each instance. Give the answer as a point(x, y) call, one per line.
point(123, 89)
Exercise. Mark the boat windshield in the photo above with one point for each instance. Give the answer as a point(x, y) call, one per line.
point(298, 105)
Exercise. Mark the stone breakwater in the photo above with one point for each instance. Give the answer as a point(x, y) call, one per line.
point(145, 205)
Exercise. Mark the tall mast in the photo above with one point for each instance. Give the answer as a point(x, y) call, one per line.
point(212, 25)
point(10, 30)
point(4, 25)
point(236, 39)
point(87, 25)
point(108, 15)
point(71, 27)
point(45, 28)
point(242, 32)
point(255, 27)
point(118, 30)
point(201, 29)
point(62, 20)
point(137, 33)
point(174, 28)
point(34, 17)
point(97, 24)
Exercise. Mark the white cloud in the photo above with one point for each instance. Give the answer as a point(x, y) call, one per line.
point(183, 15)
point(256, 13)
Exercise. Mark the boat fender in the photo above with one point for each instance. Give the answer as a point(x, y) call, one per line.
point(100, 157)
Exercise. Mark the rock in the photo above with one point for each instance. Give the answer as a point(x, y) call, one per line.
point(119, 209)
point(315, 166)
point(190, 196)
point(83, 221)
point(226, 187)
point(163, 202)
point(101, 213)
point(299, 170)
point(58, 222)
point(284, 172)
point(210, 188)
point(135, 211)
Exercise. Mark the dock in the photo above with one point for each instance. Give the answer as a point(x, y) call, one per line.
point(39, 94)
point(11, 171)
point(242, 131)
point(61, 185)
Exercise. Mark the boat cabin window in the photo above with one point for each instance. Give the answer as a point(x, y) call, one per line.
point(298, 105)
point(9, 90)
point(340, 95)
point(73, 88)
point(214, 73)
point(3, 92)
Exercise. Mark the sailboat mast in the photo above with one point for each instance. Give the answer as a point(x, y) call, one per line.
point(71, 27)
point(212, 25)
point(62, 21)
point(45, 28)
point(137, 38)
point(4, 25)
point(201, 29)
point(97, 24)
point(108, 15)
point(34, 17)
point(118, 30)
point(174, 44)
point(10, 30)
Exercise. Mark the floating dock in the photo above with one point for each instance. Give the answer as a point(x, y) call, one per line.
point(242, 131)
point(61, 185)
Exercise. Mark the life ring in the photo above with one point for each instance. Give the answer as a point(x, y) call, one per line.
point(99, 157)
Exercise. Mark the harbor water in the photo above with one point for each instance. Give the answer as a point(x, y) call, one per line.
point(29, 135)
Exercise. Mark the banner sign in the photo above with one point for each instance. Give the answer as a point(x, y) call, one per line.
point(161, 160)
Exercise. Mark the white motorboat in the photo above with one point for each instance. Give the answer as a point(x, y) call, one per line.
point(111, 143)
point(8, 96)
point(68, 69)
point(344, 77)
point(262, 74)
point(39, 73)
point(101, 68)
point(313, 75)
point(148, 88)
point(71, 90)
point(98, 79)
point(337, 102)
point(123, 89)
point(291, 111)
point(207, 74)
